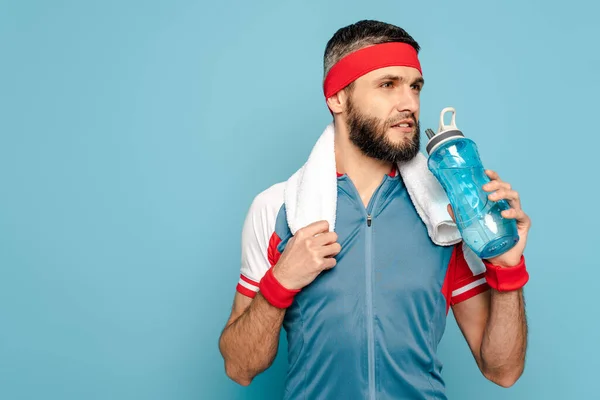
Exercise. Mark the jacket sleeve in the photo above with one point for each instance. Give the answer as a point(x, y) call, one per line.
point(467, 275)
point(259, 239)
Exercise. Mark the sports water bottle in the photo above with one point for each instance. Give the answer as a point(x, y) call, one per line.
point(455, 162)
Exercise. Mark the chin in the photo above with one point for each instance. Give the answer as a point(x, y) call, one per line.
point(395, 137)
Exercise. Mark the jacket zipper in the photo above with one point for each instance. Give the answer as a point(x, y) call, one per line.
point(369, 289)
point(369, 293)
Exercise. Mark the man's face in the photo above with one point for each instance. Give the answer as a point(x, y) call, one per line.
point(382, 113)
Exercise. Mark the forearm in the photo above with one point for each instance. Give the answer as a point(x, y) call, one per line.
point(249, 344)
point(504, 340)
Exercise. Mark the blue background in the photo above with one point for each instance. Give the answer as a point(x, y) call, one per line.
point(134, 135)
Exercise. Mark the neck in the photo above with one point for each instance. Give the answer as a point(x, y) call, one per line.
point(365, 172)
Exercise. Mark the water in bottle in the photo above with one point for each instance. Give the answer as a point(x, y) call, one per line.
point(454, 160)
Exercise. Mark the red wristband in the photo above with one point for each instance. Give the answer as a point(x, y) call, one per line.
point(505, 279)
point(274, 292)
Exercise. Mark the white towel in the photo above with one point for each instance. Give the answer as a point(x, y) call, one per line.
point(311, 193)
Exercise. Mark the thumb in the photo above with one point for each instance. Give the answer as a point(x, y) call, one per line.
point(451, 212)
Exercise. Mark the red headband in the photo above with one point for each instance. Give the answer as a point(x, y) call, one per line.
point(368, 59)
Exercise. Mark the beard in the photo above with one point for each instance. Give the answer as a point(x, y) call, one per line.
point(369, 135)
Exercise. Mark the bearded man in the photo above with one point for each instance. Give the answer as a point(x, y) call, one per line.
point(365, 305)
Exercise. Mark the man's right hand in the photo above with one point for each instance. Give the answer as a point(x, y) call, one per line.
point(309, 252)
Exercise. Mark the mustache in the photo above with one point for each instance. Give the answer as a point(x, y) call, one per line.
point(402, 117)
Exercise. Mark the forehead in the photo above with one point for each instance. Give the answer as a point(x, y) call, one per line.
point(402, 73)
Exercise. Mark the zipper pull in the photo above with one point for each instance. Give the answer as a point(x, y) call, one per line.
point(369, 220)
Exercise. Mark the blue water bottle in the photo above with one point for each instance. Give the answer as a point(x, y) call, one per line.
point(455, 162)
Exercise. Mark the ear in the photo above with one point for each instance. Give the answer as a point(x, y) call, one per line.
point(337, 102)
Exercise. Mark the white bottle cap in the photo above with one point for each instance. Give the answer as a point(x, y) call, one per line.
point(445, 132)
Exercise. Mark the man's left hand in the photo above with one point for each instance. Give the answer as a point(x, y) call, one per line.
point(502, 190)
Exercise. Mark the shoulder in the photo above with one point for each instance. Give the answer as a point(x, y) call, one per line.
point(265, 212)
point(269, 200)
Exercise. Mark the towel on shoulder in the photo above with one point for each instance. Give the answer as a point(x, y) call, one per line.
point(311, 192)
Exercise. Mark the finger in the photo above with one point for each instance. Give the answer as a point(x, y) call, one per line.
point(330, 250)
point(324, 239)
point(314, 228)
point(451, 212)
point(495, 185)
point(329, 263)
point(492, 174)
point(515, 214)
point(510, 195)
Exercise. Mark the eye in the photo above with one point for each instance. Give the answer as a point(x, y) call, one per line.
point(417, 86)
point(387, 84)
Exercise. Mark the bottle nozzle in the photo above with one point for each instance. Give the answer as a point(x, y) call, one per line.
point(430, 133)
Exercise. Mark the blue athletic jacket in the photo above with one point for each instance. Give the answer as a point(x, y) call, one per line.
point(368, 328)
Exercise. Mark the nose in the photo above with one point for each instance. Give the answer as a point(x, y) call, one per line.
point(408, 100)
